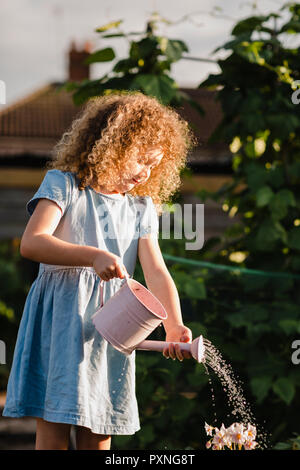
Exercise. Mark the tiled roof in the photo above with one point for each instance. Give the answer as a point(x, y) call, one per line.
point(34, 124)
point(44, 113)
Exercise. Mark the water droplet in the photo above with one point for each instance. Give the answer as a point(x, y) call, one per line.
point(232, 386)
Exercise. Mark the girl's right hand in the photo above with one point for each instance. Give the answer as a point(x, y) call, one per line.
point(108, 265)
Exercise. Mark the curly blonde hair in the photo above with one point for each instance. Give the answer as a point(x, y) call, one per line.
point(111, 130)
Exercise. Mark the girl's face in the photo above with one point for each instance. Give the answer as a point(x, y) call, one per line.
point(141, 170)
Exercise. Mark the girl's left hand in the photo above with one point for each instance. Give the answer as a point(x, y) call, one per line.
point(178, 333)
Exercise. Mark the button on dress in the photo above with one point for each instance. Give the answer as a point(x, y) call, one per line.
point(63, 370)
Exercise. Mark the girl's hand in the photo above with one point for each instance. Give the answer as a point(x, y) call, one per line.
point(178, 333)
point(108, 265)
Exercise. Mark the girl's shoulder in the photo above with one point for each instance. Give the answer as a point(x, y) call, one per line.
point(58, 186)
point(60, 175)
point(64, 179)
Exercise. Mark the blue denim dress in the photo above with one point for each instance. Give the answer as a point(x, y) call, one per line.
point(63, 370)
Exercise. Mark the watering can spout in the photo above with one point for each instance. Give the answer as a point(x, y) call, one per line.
point(196, 348)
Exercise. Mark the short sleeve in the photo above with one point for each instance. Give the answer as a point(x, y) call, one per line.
point(149, 223)
point(55, 186)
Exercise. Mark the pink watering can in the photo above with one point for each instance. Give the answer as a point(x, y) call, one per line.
point(130, 315)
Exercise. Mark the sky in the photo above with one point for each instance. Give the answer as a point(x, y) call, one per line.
point(35, 35)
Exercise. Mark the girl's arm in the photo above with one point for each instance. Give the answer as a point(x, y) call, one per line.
point(40, 245)
point(160, 283)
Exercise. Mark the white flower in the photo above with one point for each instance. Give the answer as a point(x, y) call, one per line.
point(215, 447)
point(237, 433)
point(227, 438)
point(226, 435)
point(208, 444)
point(250, 445)
point(222, 429)
point(209, 429)
point(218, 439)
point(234, 437)
point(250, 432)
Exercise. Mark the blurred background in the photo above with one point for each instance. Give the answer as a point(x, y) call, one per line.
point(230, 69)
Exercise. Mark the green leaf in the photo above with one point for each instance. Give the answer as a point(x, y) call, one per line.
point(231, 44)
point(256, 175)
point(211, 83)
point(87, 90)
point(282, 446)
point(294, 238)
point(184, 409)
point(248, 25)
point(144, 49)
point(161, 66)
point(252, 51)
point(6, 311)
point(162, 87)
point(118, 83)
point(147, 434)
point(107, 26)
point(195, 289)
point(268, 233)
point(275, 177)
point(295, 263)
point(282, 124)
point(252, 122)
point(289, 326)
point(287, 197)
point(260, 387)
point(253, 103)
point(291, 27)
point(294, 172)
point(284, 389)
point(172, 48)
point(278, 207)
point(237, 320)
point(117, 35)
point(264, 196)
point(124, 65)
point(103, 55)
point(197, 328)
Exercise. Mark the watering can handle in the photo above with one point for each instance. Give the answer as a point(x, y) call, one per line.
point(127, 276)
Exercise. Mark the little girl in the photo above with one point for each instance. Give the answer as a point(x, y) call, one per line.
point(92, 215)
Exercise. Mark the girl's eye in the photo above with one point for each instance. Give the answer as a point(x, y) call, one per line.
point(140, 161)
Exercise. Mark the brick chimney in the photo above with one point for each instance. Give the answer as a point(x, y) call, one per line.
point(77, 69)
